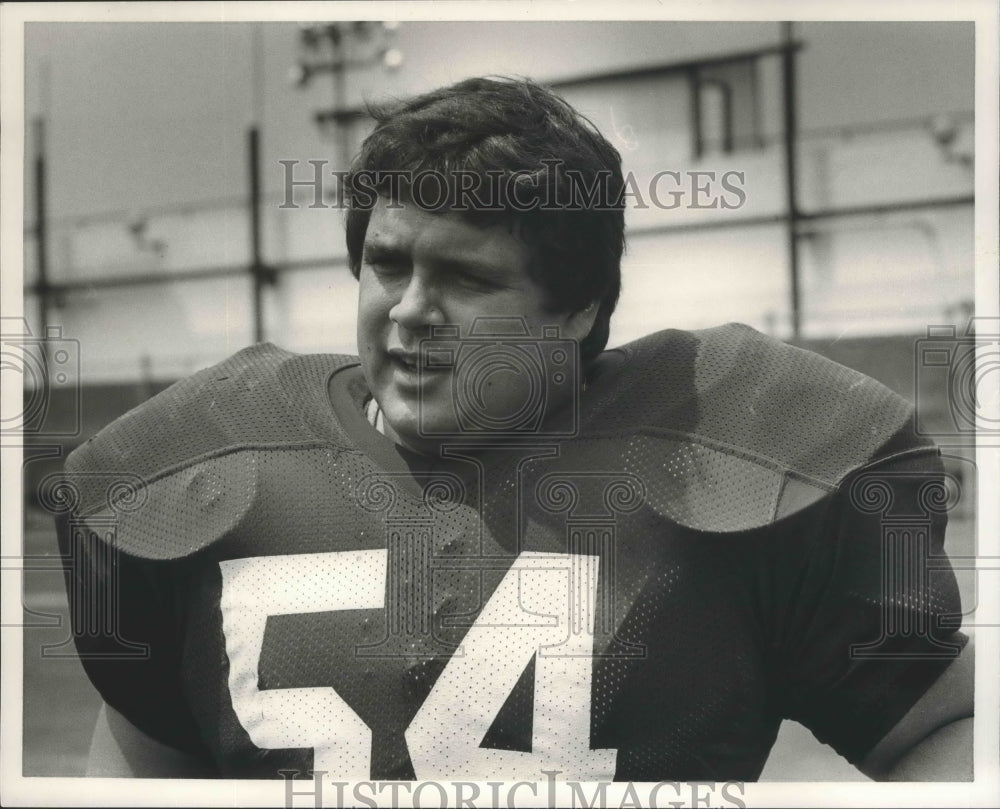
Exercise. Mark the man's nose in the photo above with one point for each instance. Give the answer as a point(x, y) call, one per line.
point(419, 307)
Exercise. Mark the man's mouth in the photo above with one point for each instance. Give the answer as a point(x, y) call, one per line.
point(407, 370)
point(405, 360)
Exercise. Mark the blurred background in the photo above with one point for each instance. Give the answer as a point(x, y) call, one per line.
point(162, 232)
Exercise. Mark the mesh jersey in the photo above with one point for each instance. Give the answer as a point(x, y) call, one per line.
point(260, 578)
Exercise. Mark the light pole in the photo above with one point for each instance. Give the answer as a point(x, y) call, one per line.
point(334, 48)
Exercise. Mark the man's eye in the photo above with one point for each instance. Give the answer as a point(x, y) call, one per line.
point(386, 268)
point(479, 282)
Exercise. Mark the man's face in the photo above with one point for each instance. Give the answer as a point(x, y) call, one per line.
point(419, 270)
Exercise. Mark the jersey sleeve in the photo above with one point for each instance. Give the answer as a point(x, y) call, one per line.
point(122, 620)
point(868, 607)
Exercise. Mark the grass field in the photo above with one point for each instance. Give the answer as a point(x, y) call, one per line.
point(60, 705)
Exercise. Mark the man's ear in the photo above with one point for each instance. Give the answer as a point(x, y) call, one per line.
point(578, 324)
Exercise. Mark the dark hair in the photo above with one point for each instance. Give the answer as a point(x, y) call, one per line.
point(545, 168)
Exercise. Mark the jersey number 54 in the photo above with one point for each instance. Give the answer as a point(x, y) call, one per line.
point(544, 607)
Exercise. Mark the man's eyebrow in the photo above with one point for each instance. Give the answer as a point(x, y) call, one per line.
point(461, 265)
point(385, 252)
point(390, 253)
point(472, 260)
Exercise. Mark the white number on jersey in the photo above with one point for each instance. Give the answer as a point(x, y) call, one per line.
point(259, 586)
point(544, 607)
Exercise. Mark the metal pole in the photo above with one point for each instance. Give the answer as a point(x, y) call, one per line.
point(341, 124)
point(791, 136)
point(41, 228)
point(694, 110)
point(257, 270)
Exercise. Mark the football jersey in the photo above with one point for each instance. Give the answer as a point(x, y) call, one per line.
point(737, 533)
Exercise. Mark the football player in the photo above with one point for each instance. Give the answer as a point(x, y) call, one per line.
point(485, 547)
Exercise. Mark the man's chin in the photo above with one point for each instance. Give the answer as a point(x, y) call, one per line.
point(404, 426)
point(414, 440)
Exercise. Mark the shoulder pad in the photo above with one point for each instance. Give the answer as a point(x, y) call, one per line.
point(174, 452)
point(763, 398)
point(734, 429)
